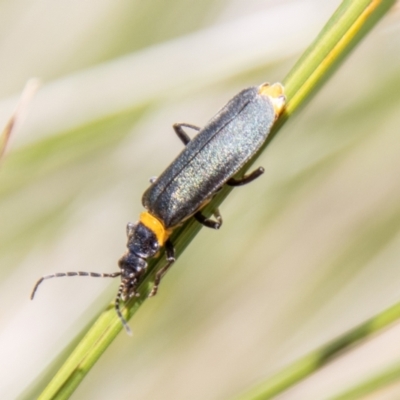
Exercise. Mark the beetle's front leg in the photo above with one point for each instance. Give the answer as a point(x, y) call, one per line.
point(170, 252)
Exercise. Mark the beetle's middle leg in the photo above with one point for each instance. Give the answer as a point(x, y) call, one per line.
point(246, 178)
point(208, 222)
point(170, 252)
point(178, 128)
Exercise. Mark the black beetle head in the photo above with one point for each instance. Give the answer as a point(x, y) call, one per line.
point(142, 241)
point(142, 244)
point(132, 269)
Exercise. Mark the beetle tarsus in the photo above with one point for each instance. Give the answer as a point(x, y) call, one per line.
point(208, 222)
point(244, 180)
point(170, 252)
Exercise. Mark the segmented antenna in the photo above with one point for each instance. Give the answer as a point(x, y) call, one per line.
point(78, 273)
point(118, 311)
point(93, 275)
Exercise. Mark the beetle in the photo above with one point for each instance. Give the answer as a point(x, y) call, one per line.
point(209, 161)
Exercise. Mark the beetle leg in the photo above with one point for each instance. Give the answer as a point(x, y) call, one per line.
point(208, 222)
point(246, 178)
point(182, 134)
point(170, 251)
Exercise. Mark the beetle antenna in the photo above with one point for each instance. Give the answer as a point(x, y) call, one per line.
point(117, 309)
point(78, 273)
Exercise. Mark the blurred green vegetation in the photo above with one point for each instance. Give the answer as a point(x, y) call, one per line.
point(305, 253)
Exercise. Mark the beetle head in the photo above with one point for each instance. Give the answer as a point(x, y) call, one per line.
point(132, 269)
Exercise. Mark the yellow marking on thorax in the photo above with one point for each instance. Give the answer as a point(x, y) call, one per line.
point(156, 226)
point(276, 94)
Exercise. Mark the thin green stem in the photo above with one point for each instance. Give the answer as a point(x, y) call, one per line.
point(372, 384)
point(320, 357)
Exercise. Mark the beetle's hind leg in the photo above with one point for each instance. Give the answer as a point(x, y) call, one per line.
point(170, 252)
point(178, 128)
point(245, 179)
point(208, 222)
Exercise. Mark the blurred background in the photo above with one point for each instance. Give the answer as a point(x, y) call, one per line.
point(306, 252)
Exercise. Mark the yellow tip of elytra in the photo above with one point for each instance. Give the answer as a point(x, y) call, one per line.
point(276, 93)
